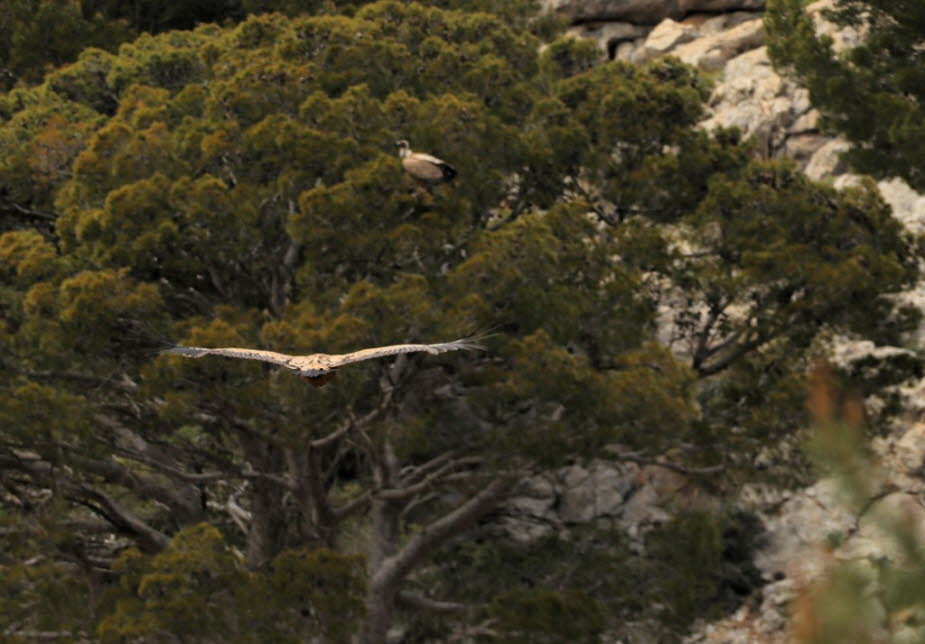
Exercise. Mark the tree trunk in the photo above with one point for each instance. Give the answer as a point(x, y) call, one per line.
point(266, 536)
point(380, 607)
point(390, 565)
point(386, 532)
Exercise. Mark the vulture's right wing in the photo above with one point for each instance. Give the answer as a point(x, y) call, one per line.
point(233, 352)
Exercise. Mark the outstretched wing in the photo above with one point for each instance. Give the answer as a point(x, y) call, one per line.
point(394, 349)
point(232, 352)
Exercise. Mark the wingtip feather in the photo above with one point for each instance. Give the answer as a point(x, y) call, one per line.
point(189, 352)
point(467, 344)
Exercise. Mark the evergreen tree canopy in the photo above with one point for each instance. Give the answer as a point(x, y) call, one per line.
point(872, 93)
point(646, 284)
point(36, 35)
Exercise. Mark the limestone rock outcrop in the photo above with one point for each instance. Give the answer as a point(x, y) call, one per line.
point(812, 529)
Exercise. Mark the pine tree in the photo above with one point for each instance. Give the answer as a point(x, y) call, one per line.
point(872, 93)
point(232, 186)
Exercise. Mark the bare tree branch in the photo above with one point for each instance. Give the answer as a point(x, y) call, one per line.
point(239, 515)
point(732, 356)
point(207, 477)
point(674, 467)
point(45, 635)
point(412, 473)
point(321, 443)
point(468, 633)
point(354, 505)
point(145, 487)
point(19, 209)
point(701, 351)
point(416, 503)
point(404, 493)
point(413, 600)
point(150, 539)
point(121, 385)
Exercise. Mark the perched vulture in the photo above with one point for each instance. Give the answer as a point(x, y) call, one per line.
point(425, 168)
point(319, 368)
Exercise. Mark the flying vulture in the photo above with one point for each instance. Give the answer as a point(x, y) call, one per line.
point(427, 169)
point(319, 368)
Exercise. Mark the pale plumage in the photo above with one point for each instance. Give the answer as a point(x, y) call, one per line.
point(425, 168)
point(318, 368)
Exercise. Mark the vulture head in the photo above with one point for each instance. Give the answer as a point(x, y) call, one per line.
point(423, 167)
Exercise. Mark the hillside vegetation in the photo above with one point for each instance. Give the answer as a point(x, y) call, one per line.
point(236, 184)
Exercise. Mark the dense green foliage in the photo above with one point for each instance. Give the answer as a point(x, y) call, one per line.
point(198, 587)
point(37, 35)
point(696, 565)
point(647, 285)
point(872, 93)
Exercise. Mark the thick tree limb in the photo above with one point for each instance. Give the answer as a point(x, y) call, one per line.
point(82, 378)
point(396, 567)
point(113, 472)
point(324, 441)
point(701, 351)
point(150, 539)
point(355, 423)
point(391, 566)
point(207, 477)
point(98, 501)
point(734, 354)
point(25, 211)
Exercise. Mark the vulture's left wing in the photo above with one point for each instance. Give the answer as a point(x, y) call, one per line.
point(395, 349)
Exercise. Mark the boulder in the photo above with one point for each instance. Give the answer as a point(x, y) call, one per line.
point(667, 35)
point(802, 146)
point(909, 450)
point(753, 98)
point(712, 52)
point(598, 491)
point(628, 50)
point(827, 161)
point(798, 534)
point(642, 511)
point(908, 205)
point(524, 529)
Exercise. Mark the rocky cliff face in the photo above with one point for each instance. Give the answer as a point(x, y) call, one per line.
point(725, 38)
point(643, 12)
